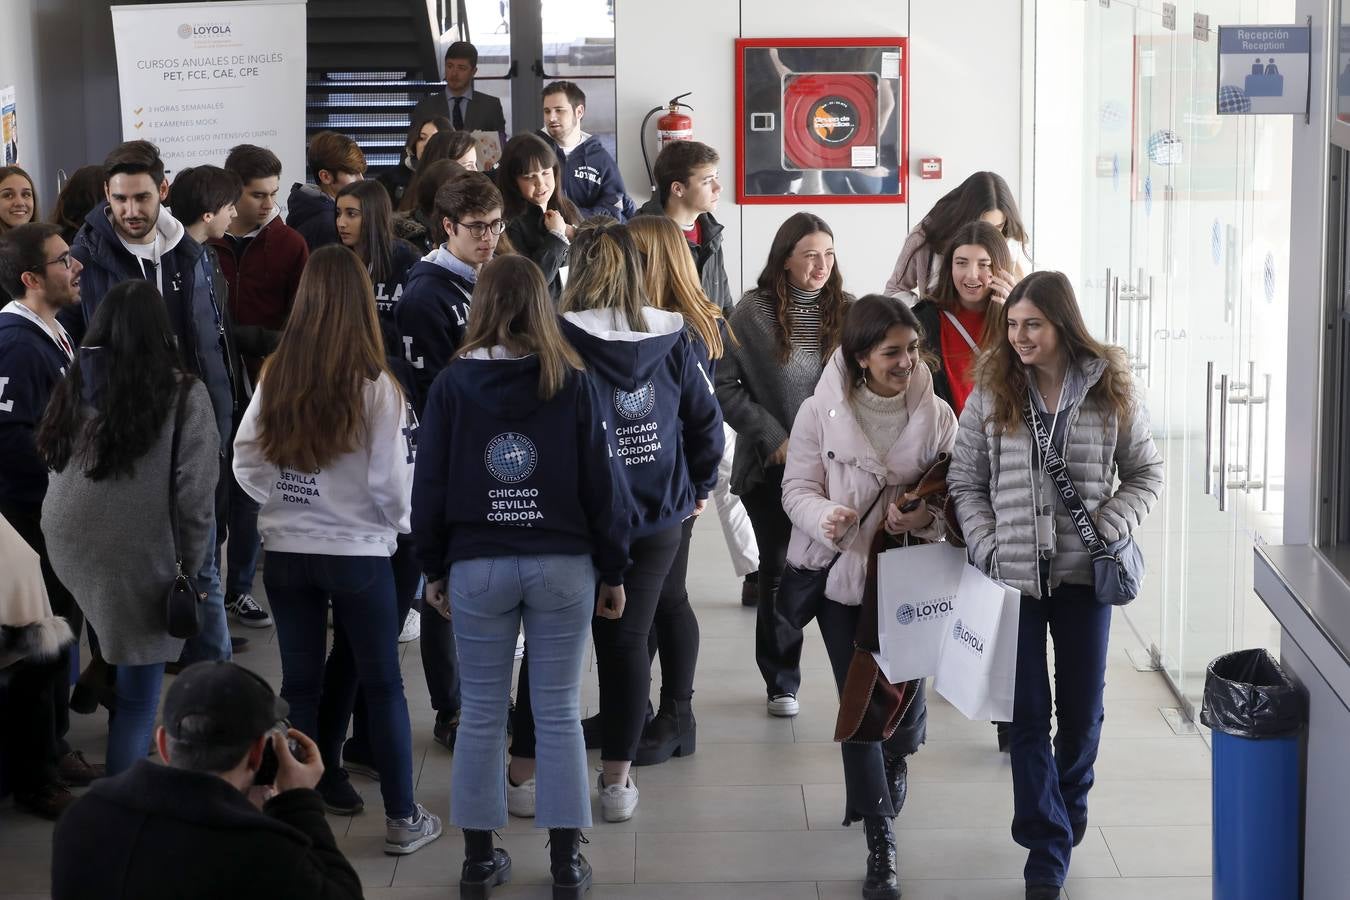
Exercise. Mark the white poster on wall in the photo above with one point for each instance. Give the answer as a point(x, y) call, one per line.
point(9, 126)
point(195, 79)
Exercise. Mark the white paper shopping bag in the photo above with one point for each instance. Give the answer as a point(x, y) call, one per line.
point(916, 593)
point(978, 663)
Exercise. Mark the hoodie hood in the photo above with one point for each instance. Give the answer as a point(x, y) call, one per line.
point(452, 263)
point(502, 385)
point(620, 356)
point(171, 232)
point(307, 203)
point(1079, 378)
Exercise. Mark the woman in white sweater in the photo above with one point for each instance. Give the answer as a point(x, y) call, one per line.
point(326, 449)
point(867, 435)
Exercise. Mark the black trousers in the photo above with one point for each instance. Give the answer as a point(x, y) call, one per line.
point(29, 726)
point(27, 521)
point(675, 629)
point(778, 646)
point(865, 764)
point(341, 702)
point(621, 653)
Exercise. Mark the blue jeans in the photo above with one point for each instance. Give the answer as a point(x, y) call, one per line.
point(241, 560)
point(212, 643)
point(555, 596)
point(133, 722)
point(300, 587)
point(1050, 788)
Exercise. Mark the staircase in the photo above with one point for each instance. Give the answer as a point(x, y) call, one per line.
point(369, 63)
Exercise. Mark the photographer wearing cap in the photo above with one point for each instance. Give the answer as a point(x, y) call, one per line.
point(213, 821)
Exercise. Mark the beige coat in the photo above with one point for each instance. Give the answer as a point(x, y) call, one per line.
point(28, 628)
point(831, 464)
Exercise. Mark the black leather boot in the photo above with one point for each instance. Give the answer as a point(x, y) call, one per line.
point(882, 881)
point(485, 866)
point(670, 733)
point(1043, 892)
point(571, 872)
point(897, 780)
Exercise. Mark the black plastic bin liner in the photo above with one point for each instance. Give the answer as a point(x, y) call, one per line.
point(1248, 695)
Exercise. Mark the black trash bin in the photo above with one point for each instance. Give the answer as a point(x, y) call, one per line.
point(1257, 715)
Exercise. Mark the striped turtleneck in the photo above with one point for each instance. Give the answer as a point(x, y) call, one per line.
point(805, 332)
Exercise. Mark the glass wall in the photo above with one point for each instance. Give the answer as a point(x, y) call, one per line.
point(1173, 223)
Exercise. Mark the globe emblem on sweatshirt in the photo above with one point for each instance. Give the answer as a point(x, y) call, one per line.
point(636, 404)
point(905, 614)
point(511, 457)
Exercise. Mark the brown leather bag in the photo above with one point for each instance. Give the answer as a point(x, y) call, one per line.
point(870, 707)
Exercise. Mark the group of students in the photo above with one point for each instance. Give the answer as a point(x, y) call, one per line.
point(528, 412)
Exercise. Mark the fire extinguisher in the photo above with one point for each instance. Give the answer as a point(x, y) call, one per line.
point(673, 126)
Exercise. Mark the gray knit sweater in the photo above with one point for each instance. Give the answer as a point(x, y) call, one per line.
point(110, 543)
point(759, 395)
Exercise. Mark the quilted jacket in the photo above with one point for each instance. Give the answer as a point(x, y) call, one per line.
point(993, 479)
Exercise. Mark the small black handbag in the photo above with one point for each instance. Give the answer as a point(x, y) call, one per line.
point(801, 591)
point(183, 603)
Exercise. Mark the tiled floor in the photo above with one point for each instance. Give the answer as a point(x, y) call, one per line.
point(754, 814)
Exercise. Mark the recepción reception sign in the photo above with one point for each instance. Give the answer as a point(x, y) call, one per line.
point(1263, 69)
point(196, 79)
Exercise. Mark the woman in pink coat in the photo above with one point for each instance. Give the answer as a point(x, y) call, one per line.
point(872, 429)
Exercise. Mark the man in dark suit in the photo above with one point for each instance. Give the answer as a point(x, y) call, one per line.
point(466, 108)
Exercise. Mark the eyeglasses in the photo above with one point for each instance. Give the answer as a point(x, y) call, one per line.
point(478, 229)
point(63, 259)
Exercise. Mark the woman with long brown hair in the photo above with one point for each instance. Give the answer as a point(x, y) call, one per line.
point(787, 328)
point(397, 179)
point(18, 198)
point(956, 317)
point(1050, 371)
point(326, 449)
point(541, 222)
point(517, 516)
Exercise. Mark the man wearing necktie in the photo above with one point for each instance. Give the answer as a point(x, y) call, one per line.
point(466, 108)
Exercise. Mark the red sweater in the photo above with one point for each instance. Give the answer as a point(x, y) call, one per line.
point(957, 357)
point(264, 277)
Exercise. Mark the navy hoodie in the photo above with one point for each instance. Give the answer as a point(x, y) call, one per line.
point(31, 364)
point(312, 213)
point(666, 425)
point(402, 257)
point(501, 472)
point(591, 179)
point(433, 314)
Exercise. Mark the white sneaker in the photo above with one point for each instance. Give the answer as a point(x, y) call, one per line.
point(784, 706)
point(520, 645)
point(412, 627)
point(618, 802)
point(520, 798)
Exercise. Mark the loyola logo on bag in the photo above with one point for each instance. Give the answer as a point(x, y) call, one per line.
point(968, 638)
point(909, 613)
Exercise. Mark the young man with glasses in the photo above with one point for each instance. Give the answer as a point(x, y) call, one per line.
point(434, 311)
point(37, 270)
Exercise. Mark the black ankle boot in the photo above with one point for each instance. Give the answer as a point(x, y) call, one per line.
point(882, 881)
point(485, 866)
point(897, 780)
point(571, 872)
point(670, 733)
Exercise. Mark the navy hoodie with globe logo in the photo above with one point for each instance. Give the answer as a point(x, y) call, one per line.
point(664, 424)
point(501, 472)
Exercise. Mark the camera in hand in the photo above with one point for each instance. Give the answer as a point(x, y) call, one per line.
point(267, 771)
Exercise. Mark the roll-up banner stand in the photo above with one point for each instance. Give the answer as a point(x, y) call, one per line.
point(195, 79)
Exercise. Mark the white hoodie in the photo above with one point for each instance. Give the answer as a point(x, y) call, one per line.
point(354, 506)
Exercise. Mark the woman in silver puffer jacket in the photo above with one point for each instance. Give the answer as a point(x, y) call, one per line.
point(1019, 532)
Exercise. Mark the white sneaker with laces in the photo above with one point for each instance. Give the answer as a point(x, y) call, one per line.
point(784, 706)
point(520, 798)
point(618, 802)
point(412, 627)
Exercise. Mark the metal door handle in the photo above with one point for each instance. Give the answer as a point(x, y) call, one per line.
point(1106, 325)
point(1223, 443)
point(1209, 427)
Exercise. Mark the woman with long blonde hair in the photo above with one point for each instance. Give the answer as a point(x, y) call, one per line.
point(672, 284)
point(326, 449)
point(1049, 368)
